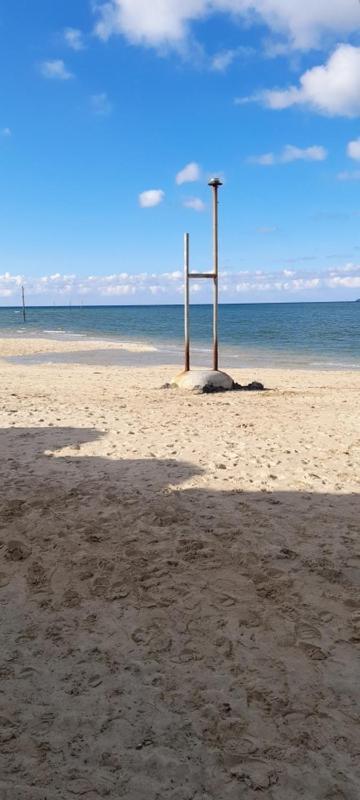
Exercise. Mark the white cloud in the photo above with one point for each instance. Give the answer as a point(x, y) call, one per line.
point(118, 290)
point(10, 285)
point(74, 39)
point(353, 149)
point(151, 198)
point(332, 89)
point(6, 133)
point(354, 175)
point(222, 60)
point(350, 282)
point(55, 70)
point(314, 153)
point(157, 23)
point(291, 153)
point(169, 285)
point(265, 160)
point(100, 104)
point(195, 203)
point(189, 174)
point(155, 289)
point(195, 288)
point(304, 24)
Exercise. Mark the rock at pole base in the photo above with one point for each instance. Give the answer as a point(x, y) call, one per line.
point(202, 380)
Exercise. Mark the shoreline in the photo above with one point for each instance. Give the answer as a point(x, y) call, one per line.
point(81, 349)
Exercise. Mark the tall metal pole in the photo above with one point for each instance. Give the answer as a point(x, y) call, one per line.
point(215, 183)
point(187, 300)
point(23, 303)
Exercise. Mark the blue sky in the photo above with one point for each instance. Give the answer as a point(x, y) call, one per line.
point(114, 115)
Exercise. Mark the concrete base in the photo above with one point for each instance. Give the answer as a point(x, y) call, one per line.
point(203, 380)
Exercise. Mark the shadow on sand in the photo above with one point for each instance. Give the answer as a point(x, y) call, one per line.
point(161, 641)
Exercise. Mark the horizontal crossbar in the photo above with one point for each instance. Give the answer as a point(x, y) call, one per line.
point(201, 275)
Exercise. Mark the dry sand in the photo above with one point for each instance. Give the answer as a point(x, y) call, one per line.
point(178, 586)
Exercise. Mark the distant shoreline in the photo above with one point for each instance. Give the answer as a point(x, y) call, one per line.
point(85, 351)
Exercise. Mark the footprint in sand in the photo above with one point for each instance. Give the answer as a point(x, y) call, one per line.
point(257, 776)
point(71, 599)
point(313, 652)
point(307, 633)
point(36, 576)
point(17, 550)
point(118, 591)
point(153, 638)
point(355, 625)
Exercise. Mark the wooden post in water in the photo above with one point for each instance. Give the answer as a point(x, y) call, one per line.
point(23, 303)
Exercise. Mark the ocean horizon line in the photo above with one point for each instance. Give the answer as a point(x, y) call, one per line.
point(71, 305)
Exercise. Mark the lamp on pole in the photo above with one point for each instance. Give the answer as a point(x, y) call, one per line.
point(214, 379)
point(215, 183)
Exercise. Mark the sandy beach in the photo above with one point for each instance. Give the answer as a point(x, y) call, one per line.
point(179, 584)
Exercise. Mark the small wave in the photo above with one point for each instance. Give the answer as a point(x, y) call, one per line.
point(66, 333)
point(202, 350)
point(338, 364)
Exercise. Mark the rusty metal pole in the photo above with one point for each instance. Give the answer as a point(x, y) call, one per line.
point(215, 183)
point(187, 300)
point(23, 303)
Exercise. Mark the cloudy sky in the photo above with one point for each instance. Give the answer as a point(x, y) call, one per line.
point(115, 114)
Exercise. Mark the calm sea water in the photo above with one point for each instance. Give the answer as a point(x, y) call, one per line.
point(317, 335)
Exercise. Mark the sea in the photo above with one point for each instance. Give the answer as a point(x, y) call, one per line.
point(300, 335)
